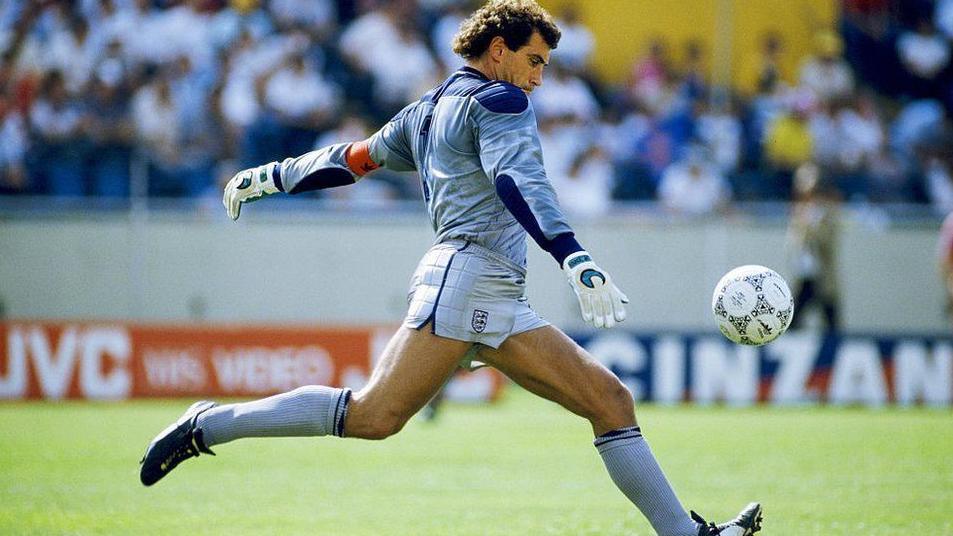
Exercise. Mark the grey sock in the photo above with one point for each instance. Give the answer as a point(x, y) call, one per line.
point(634, 470)
point(313, 410)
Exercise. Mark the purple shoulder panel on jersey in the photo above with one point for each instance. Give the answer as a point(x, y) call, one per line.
point(502, 98)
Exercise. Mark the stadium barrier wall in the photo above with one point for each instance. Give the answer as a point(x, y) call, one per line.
point(116, 361)
point(348, 269)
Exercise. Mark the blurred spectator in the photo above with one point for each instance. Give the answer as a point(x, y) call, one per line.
point(59, 147)
point(318, 16)
point(939, 183)
point(943, 17)
point(869, 43)
point(402, 71)
point(585, 188)
point(157, 120)
point(559, 137)
point(13, 132)
point(944, 255)
point(564, 95)
point(862, 131)
point(825, 73)
point(721, 132)
point(916, 123)
point(788, 143)
point(694, 71)
point(13, 146)
point(826, 142)
point(925, 53)
point(812, 247)
point(72, 52)
point(181, 31)
point(442, 36)
point(111, 136)
point(762, 69)
point(300, 103)
point(650, 83)
point(577, 42)
point(620, 137)
point(694, 186)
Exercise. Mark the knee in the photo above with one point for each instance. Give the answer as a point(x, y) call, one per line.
point(615, 407)
point(376, 427)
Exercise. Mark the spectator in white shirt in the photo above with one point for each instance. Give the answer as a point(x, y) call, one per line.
point(862, 132)
point(586, 187)
point(442, 34)
point(57, 122)
point(157, 121)
point(316, 15)
point(721, 132)
point(577, 42)
point(826, 74)
point(925, 53)
point(300, 95)
point(693, 187)
point(404, 70)
point(72, 52)
point(565, 95)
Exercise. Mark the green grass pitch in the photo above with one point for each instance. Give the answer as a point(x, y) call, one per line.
point(522, 466)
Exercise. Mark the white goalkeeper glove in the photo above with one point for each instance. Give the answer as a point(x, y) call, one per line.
point(601, 302)
point(249, 185)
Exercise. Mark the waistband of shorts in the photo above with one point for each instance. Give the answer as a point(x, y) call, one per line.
point(461, 244)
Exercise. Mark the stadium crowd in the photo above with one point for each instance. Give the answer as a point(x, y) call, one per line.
point(190, 91)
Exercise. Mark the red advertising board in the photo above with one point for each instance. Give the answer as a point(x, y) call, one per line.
point(115, 360)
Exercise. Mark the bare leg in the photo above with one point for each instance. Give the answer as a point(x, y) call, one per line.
point(415, 365)
point(548, 363)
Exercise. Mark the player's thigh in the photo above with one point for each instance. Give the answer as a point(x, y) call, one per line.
point(414, 365)
point(548, 363)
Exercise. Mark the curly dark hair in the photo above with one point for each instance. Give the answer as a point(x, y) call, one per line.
point(513, 20)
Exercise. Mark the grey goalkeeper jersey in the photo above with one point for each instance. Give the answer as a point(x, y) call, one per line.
point(475, 146)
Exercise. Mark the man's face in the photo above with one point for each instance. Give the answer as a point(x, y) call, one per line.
point(524, 67)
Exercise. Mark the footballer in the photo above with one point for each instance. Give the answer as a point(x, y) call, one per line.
point(473, 141)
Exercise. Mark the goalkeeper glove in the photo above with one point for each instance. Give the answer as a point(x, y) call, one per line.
point(247, 186)
point(601, 302)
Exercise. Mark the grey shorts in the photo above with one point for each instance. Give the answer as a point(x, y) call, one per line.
point(469, 293)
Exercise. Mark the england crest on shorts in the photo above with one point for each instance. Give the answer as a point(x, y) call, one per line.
point(479, 320)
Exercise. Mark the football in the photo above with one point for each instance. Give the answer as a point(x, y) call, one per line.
point(752, 305)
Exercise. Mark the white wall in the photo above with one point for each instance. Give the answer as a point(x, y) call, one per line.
point(328, 270)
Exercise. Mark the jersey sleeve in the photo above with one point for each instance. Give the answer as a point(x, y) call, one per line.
point(507, 138)
point(389, 146)
point(342, 164)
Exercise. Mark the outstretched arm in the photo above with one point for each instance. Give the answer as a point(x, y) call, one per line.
point(336, 165)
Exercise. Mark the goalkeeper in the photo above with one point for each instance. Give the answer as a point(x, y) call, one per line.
point(473, 141)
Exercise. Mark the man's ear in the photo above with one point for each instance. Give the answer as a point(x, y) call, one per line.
point(497, 47)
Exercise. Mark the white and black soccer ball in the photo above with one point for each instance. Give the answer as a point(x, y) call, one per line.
point(752, 305)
